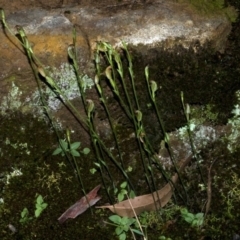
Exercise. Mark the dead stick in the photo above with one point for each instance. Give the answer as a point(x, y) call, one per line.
point(209, 188)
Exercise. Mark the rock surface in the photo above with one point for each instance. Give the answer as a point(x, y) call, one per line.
point(153, 24)
point(144, 25)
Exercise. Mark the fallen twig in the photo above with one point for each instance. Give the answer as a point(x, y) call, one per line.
point(209, 188)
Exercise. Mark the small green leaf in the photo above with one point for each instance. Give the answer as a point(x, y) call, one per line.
point(39, 199)
point(118, 230)
point(103, 163)
point(200, 222)
point(93, 170)
point(97, 164)
point(131, 221)
point(24, 212)
point(63, 144)
point(122, 236)
point(191, 215)
point(184, 211)
point(162, 238)
point(149, 105)
point(125, 228)
point(125, 220)
point(108, 73)
point(138, 115)
point(199, 215)
point(153, 86)
point(57, 151)
point(195, 222)
point(189, 218)
point(90, 106)
point(121, 195)
point(124, 191)
point(123, 185)
point(38, 212)
point(86, 151)
point(115, 218)
point(132, 194)
point(129, 169)
point(44, 205)
point(22, 220)
point(75, 145)
point(115, 190)
point(75, 153)
point(38, 205)
point(137, 231)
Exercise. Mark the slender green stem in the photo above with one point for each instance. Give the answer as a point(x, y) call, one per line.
point(137, 124)
point(103, 100)
point(98, 151)
point(76, 167)
point(186, 109)
point(152, 88)
point(112, 72)
point(144, 139)
point(72, 53)
point(36, 64)
point(131, 73)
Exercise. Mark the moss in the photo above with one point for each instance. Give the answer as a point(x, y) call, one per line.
point(30, 144)
point(214, 7)
point(42, 174)
point(192, 73)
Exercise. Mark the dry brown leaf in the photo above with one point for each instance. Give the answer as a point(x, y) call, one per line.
point(147, 202)
point(81, 205)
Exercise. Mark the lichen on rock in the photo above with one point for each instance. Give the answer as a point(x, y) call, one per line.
point(12, 101)
point(234, 124)
point(66, 80)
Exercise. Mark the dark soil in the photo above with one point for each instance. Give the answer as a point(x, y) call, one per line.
point(205, 77)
